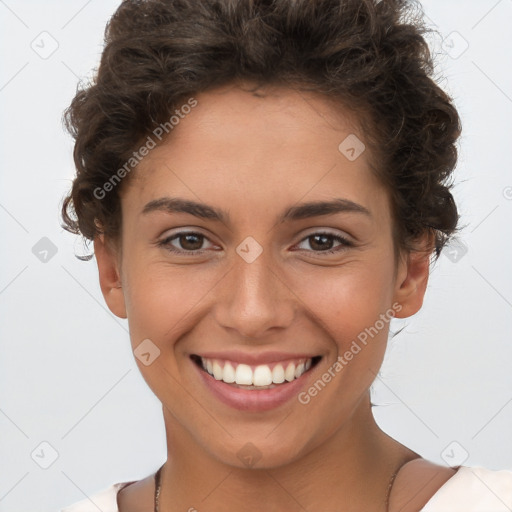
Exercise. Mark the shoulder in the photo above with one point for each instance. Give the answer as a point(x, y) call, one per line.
point(416, 482)
point(474, 489)
point(137, 497)
point(105, 500)
point(424, 486)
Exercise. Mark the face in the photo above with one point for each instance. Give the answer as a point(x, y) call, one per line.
point(254, 276)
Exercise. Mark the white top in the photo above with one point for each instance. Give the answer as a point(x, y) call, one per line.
point(471, 489)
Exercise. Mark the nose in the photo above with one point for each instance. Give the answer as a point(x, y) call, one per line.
point(255, 298)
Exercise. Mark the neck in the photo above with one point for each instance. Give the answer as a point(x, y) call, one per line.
point(352, 467)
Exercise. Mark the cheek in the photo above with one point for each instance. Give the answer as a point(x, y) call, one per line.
point(347, 300)
point(162, 301)
point(352, 306)
point(163, 305)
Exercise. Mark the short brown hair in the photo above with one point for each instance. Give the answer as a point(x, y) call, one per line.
point(368, 55)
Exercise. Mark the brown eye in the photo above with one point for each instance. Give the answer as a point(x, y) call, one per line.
point(323, 242)
point(187, 241)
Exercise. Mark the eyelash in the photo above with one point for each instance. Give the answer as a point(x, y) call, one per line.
point(166, 243)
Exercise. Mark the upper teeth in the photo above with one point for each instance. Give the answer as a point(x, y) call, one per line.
point(262, 375)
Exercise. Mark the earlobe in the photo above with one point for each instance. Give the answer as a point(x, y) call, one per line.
point(412, 279)
point(109, 276)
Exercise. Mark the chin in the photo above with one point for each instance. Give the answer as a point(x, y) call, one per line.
point(259, 451)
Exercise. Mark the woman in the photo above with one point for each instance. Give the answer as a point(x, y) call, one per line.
point(266, 185)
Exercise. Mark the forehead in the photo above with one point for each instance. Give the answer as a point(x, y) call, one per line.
point(292, 101)
point(267, 112)
point(275, 146)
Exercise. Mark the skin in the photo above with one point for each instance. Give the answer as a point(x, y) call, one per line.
point(255, 156)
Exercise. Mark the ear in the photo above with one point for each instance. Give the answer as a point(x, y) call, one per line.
point(110, 276)
point(412, 277)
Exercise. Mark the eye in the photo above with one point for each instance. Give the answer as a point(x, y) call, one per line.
point(323, 242)
point(190, 242)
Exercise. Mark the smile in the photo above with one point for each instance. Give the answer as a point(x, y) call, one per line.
point(254, 388)
point(263, 376)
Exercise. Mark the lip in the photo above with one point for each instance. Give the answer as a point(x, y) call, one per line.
point(254, 400)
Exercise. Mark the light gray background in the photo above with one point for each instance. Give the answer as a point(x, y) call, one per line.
point(68, 377)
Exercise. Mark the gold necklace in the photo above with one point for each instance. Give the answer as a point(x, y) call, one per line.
point(158, 487)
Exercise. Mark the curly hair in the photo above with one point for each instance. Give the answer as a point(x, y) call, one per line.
point(369, 56)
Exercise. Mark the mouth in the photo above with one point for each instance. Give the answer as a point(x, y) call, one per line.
point(256, 377)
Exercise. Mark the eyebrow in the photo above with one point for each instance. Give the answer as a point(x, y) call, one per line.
point(301, 211)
